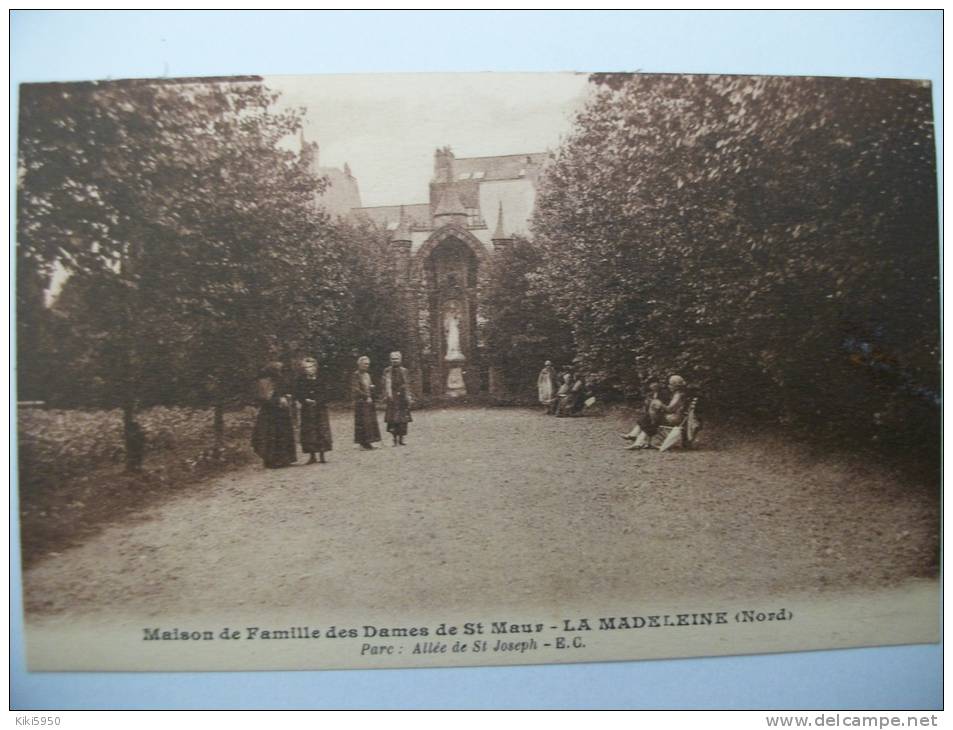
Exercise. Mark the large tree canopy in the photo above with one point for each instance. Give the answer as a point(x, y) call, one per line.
point(181, 196)
point(522, 330)
point(774, 240)
point(193, 245)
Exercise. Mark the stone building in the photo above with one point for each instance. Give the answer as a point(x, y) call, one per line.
point(441, 252)
point(341, 195)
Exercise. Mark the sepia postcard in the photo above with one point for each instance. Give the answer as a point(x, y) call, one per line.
point(372, 371)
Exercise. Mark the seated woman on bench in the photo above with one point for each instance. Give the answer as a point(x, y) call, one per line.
point(662, 414)
point(644, 427)
point(673, 413)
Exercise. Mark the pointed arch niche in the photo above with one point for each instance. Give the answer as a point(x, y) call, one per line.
point(449, 264)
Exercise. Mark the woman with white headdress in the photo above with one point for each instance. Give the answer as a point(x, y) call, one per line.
point(366, 429)
point(398, 399)
point(311, 392)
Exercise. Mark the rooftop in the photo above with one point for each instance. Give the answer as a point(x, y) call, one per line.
point(500, 167)
point(387, 216)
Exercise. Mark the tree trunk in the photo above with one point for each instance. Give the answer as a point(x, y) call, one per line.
point(218, 421)
point(134, 437)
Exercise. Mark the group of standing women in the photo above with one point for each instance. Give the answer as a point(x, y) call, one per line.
point(397, 398)
point(279, 395)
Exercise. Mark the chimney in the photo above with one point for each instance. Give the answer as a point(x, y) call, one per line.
point(443, 165)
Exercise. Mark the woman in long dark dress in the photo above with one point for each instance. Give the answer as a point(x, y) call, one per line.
point(311, 392)
point(644, 427)
point(273, 437)
point(366, 429)
point(398, 399)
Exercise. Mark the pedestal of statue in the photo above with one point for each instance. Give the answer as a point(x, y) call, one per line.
point(455, 383)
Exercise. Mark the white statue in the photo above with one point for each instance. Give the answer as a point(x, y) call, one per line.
point(452, 331)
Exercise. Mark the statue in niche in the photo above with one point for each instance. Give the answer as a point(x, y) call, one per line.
point(451, 324)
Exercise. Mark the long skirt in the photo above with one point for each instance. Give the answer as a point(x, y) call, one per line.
point(366, 430)
point(647, 424)
point(397, 416)
point(570, 405)
point(273, 437)
point(315, 428)
point(576, 403)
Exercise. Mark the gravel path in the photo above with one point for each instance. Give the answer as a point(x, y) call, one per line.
point(502, 508)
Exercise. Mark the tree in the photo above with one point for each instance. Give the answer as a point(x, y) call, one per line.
point(340, 301)
point(178, 201)
point(522, 329)
point(769, 236)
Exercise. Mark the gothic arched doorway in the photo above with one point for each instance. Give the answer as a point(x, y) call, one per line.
point(450, 271)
